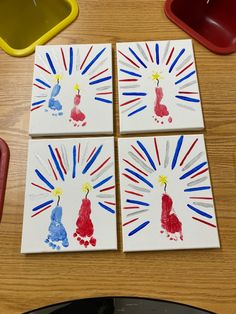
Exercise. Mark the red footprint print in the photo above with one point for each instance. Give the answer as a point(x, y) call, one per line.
point(84, 231)
point(169, 221)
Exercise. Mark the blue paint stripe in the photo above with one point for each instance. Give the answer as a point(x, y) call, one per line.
point(42, 178)
point(38, 102)
point(134, 94)
point(137, 202)
point(157, 53)
point(107, 101)
point(200, 188)
point(102, 182)
point(71, 61)
point(56, 163)
point(131, 73)
point(137, 57)
point(42, 205)
point(198, 211)
point(176, 60)
point(107, 78)
point(185, 77)
point(107, 208)
point(91, 161)
point(188, 99)
point(74, 162)
point(137, 110)
point(147, 154)
point(50, 63)
point(93, 61)
point(177, 150)
point(140, 227)
point(187, 174)
point(137, 175)
point(42, 82)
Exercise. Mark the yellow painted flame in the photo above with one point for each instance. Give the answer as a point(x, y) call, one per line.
point(156, 76)
point(162, 180)
point(57, 192)
point(76, 87)
point(86, 187)
point(57, 77)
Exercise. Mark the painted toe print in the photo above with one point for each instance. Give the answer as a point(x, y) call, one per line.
point(158, 86)
point(166, 194)
point(72, 90)
point(70, 196)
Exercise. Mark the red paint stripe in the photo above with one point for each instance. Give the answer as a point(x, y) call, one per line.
point(42, 210)
point(96, 170)
point(131, 207)
point(98, 74)
point(157, 152)
point(86, 57)
point(129, 163)
point(39, 86)
point(205, 222)
point(104, 93)
point(42, 68)
point(188, 93)
point(127, 176)
point(198, 173)
point(109, 203)
point(188, 152)
point(36, 108)
point(55, 176)
point(130, 101)
point(63, 58)
point(129, 222)
point(129, 59)
point(91, 154)
point(138, 152)
point(149, 52)
point(108, 188)
point(201, 198)
point(171, 53)
point(188, 66)
point(78, 153)
point(134, 193)
point(128, 80)
point(60, 160)
point(41, 187)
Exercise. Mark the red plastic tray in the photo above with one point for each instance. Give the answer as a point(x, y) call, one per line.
point(211, 22)
point(4, 161)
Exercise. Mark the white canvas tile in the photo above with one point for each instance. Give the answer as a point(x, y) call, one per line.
point(166, 194)
point(70, 201)
point(72, 90)
point(158, 86)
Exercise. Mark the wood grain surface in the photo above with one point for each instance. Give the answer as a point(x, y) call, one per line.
point(202, 278)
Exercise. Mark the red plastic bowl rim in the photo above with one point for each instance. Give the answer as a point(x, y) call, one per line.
point(194, 34)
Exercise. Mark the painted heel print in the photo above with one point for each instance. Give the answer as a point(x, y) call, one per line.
point(77, 116)
point(160, 110)
point(169, 220)
point(53, 103)
point(84, 231)
point(57, 234)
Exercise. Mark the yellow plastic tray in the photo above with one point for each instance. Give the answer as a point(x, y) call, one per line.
point(25, 24)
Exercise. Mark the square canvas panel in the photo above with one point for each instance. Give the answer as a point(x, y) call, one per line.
point(72, 90)
point(158, 86)
point(70, 200)
point(166, 194)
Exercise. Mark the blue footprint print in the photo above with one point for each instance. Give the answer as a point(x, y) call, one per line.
point(56, 230)
point(53, 103)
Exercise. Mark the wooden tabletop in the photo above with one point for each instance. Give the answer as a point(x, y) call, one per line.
point(202, 278)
